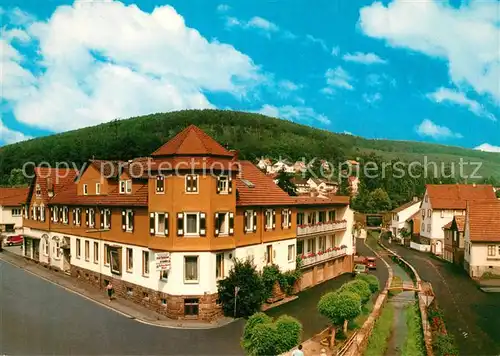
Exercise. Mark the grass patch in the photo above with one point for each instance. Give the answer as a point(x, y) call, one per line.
point(395, 283)
point(377, 343)
point(361, 318)
point(489, 275)
point(414, 344)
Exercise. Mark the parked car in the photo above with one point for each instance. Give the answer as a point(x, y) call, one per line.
point(371, 263)
point(359, 268)
point(14, 240)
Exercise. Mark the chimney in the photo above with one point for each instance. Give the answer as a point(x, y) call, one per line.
point(474, 185)
point(415, 199)
point(235, 154)
point(50, 187)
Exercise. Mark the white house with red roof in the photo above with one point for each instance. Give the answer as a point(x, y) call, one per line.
point(11, 205)
point(441, 203)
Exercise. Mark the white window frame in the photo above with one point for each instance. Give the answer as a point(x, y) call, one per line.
point(96, 251)
point(223, 185)
point(78, 216)
point(287, 215)
point(85, 189)
point(42, 212)
point(129, 222)
point(16, 212)
point(157, 224)
point(78, 248)
point(293, 253)
point(249, 215)
point(269, 219)
point(194, 177)
point(442, 213)
point(128, 186)
point(192, 281)
point(65, 214)
point(221, 269)
point(129, 260)
point(164, 275)
point(55, 213)
point(57, 251)
point(38, 190)
point(197, 233)
point(107, 257)
point(46, 247)
point(106, 219)
point(86, 250)
point(122, 186)
point(91, 217)
point(492, 249)
point(160, 179)
point(225, 225)
point(98, 188)
point(145, 263)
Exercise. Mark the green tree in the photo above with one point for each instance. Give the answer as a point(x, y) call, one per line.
point(381, 200)
point(372, 281)
point(290, 332)
point(251, 292)
point(339, 308)
point(17, 178)
point(285, 182)
point(359, 287)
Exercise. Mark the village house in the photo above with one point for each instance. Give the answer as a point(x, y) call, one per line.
point(401, 214)
point(454, 240)
point(441, 203)
point(11, 204)
point(281, 165)
point(482, 238)
point(264, 163)
point(164, 239)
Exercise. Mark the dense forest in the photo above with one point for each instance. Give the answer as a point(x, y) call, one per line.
point(253, 135)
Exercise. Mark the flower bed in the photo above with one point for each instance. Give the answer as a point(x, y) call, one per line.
point(443, 343)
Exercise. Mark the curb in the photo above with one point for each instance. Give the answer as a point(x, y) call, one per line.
point(109, 307)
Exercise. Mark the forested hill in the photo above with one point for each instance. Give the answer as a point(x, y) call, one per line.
point(253, 135)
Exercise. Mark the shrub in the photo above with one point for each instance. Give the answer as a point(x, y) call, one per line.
point(263, 337)
point(444, 345)
point(372, 281)
point(251, 290)
point(270, 275)
point(358, 287)
point(289, 331)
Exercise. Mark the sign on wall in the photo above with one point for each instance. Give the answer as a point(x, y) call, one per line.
point(162, 260)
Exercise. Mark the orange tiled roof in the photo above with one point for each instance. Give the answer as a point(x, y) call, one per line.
point(58, 178)
point(332, 200)
point(13, 196)
point(264, 190)
point(69, 196)
point(414, 216)
point(454, 196)
point(192, 141)
point(483, 218)
point(198, 163)
point(460, 220)
point(405, 206)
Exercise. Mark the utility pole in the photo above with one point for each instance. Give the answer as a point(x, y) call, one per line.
point(236, 290)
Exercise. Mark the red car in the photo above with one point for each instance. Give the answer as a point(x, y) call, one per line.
point(14, 240)
point(371, 263)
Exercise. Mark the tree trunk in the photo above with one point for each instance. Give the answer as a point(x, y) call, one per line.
point(332, 338)
point(345, 326)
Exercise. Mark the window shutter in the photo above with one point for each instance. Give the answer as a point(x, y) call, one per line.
point(195, 184)
point(274, 219)
point(152, 223)
point(245, 222)
point(124, 220)
point(203, 224)
point(132, 220)
point(216, 224)
point(74, 216)
point(230, 185)
point(180, 224)
point(188, 183)
point(166, 224)
point(254, 221)
point(218, 186)
point(231, 224)
point(109, 217)
point(289, 212)
point(86, 217)
point(60, 212)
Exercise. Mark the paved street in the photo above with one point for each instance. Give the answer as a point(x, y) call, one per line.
point(471, 315)
point(37, 317)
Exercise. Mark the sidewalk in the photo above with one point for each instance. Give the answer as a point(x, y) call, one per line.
point(119, 305)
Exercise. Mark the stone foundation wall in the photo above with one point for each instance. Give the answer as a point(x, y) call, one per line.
point(171, 306)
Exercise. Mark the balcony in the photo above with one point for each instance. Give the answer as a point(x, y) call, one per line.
point(316, 258)
point(318, 228)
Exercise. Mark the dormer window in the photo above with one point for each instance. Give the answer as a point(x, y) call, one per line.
point(65, 215)
point(223, 185)
point(55, 213)
point(160, 185)
point(38, 190)
point(98, 188)
point(191, 183)
point(85, 189)
point(125, 187)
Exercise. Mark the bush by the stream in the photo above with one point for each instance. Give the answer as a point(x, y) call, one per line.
point(444, 345)
point(359, 287)
point(372, 281)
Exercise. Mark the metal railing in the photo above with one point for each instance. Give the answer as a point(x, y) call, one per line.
point(324, 227)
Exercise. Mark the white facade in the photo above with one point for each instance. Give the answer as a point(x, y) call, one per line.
point(398, 220)
point(279, 166)
point(11, 216)
point(284, 254)
point(480, 257)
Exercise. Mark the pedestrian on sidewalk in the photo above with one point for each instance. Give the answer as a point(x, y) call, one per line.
point(110, 290)
point(298, 351)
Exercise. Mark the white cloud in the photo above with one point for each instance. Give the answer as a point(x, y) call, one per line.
point(317, 41)
point(288, 85)
point(335, 51)
point(363, 58)
point(260, 24)
point(8, 136)
point(347, 133)
point(18, 17)
point(372, 98)
point(430, 129)
point(486, 147)
point(91, 75)
point(338, 78)
point(452, 96)
point(294, 113)
point(223, 8)
point(466, 37)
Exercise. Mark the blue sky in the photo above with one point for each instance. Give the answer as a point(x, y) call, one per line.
point(425, 71)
